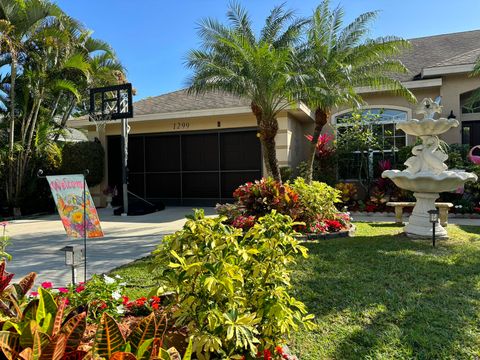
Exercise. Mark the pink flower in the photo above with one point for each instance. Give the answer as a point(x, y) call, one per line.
point(63, 290)
point(47, 285)
point(4, 223)
point(80, 288)
point(34, 294)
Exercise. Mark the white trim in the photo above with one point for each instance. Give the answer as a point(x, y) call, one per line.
point(447, 69)
point(415, 84)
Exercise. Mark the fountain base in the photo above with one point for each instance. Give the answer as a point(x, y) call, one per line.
point(419, 225)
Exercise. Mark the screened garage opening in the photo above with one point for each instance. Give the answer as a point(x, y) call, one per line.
point(197, 168)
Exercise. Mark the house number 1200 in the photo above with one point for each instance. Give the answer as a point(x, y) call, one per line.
point(181, 125)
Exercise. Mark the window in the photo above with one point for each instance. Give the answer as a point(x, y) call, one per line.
point(470, 102)
point(381, 122)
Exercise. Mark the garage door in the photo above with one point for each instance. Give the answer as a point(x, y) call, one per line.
point(187, 168)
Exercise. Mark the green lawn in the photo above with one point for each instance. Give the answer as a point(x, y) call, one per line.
point(381, 295)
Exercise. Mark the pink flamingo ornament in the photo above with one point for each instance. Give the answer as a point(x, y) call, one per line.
point(474, 158)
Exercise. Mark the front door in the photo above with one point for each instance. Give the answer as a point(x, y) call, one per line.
point(471, 133)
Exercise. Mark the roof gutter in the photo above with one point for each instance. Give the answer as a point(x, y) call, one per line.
point(447, 69)
point(82, 122)
point(415, 84)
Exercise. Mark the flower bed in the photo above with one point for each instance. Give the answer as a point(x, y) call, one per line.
point(311, 206)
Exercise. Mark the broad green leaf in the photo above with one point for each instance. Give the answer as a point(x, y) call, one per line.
point(25, 284)
point(30, 312)
point(189, 351)
point(9, 343)
point(47, 309)
point(55, 349)
point(108, 338)
point(145, 330)
point(144, 351)
point(73, 330)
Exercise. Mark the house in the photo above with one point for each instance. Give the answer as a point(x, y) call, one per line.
point(194, 150)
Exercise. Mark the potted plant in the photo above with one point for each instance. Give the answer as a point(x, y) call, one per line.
point(109, 193)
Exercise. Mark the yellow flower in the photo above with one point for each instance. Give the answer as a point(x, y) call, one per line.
point(77, 217)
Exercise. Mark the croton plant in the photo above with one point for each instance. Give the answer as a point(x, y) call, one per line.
point(311, 204)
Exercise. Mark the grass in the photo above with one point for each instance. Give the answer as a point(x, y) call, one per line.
point(381, 295)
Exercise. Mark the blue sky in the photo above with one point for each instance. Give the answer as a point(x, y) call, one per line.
point(152, 37)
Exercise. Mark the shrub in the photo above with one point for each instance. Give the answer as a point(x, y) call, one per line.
point(262, 196)
point(232, 286)
point(348, 192)
point(316, 200)
point(84, 155)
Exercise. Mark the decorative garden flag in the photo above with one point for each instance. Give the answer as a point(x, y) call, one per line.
point(67, 191)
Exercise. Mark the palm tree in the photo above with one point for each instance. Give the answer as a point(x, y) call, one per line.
point(18, 19)
point(260, 67)
point(337, 59)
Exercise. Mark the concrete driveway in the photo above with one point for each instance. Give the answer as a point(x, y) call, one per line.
point(36, 243)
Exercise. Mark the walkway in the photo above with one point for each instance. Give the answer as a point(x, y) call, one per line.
point(36, 243)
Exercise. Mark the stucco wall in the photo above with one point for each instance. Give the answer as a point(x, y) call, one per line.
point(453, 86)
point(450, 90)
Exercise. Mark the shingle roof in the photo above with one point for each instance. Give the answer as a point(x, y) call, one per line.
point(470, 57)
point(431, 50)
point(182, 101)
point(438, 50)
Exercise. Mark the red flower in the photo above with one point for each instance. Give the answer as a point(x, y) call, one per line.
point(155, 306)
point(63, 290)
point(141, 301)
point(279, 349)
point(103, 305)
point(80, 288)
point(267, 355)
point(125, 300)
point(34, 294)
point(47, 285)
point(66, 301)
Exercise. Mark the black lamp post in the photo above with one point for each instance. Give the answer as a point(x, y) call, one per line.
point(434, 220)
point(73, 259)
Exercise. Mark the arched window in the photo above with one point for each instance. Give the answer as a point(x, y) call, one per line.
point(382, 122)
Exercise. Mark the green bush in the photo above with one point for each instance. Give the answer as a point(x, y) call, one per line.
point(76, 157)
point(316, 199)
point(232, 286)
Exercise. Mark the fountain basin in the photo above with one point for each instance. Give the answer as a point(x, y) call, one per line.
point(427, 182)
point(427, 127)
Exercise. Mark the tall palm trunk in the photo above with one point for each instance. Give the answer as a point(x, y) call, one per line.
point(66, 115)
point(267, 130)
point(11, 135)
point(321, 118)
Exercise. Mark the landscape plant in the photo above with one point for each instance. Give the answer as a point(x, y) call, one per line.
point(337, 59)
point(232, 288)
point(317, 200)
point(103, 294)
point(260, 68)
point(311, 204)
point(49, 61)
point(76, 157)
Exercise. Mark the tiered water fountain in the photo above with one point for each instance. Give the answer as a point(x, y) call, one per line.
point(426, 173)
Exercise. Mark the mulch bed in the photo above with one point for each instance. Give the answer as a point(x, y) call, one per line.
point(327, 236)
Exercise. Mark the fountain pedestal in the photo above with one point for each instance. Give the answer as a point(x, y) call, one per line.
point(419, 224)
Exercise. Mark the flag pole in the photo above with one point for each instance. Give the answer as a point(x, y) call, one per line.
point(85, 173)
